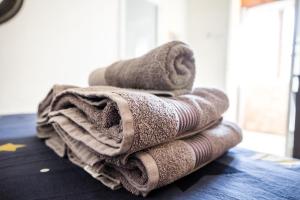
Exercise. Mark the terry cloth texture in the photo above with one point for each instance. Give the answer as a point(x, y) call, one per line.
point(157, 166)
point(139, 125)
point(44, 129)
point(167, 67)
point(168, 162)
point(120, 121)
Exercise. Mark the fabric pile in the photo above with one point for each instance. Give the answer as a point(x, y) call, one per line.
point(139, 125)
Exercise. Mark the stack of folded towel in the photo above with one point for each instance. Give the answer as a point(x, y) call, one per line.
point(139, 125)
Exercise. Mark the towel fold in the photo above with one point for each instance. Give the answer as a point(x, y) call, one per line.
point(157, 166)
point(166, 163)
point(44, 129)
point(44, 106)
point(167, 67)
point(120, 121)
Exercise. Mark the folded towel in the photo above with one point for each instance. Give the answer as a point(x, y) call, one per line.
point(157, 166)
point(44, 106)
point(120, 121)
point(168, 67)
point(146, 134)
point(44, 129)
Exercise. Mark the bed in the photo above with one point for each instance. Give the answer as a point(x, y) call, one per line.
point(30, 170)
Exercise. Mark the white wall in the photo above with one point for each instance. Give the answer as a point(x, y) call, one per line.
point(138, 27)
point(204, 25)
point(61, 41)
point(56, 41)
point(207, 33)
point(171, 20)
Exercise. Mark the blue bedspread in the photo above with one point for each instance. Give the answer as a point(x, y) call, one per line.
point(30, 170)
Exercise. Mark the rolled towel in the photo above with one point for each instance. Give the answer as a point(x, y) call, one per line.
point(167, 67)
point(120, 121)
point(157, 166)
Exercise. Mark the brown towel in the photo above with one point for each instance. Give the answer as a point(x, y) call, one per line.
point(157, 166)
point(120, 121)
point(167, 67)
point(44, 129)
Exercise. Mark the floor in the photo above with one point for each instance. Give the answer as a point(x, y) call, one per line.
point(264, 142)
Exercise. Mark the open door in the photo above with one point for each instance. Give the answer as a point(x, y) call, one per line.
point(259, 75)
point(294, 133)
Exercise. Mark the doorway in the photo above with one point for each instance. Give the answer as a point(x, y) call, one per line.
point(260, 73)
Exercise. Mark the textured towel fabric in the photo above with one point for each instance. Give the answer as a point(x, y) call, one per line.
point(132, 138)
point(157, 166)
point(120, 121)
point(44, 129)
point(167, 67)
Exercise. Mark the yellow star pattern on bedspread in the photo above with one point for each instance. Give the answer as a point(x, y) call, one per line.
point(11, 147)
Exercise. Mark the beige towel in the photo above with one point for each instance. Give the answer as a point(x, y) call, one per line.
point(44, 129)
point(120, 121)
point(157, 166)
point(167, 67)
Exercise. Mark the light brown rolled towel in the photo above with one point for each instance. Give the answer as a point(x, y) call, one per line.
point(120, 121)
point(167, 67)
point(157, 166)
